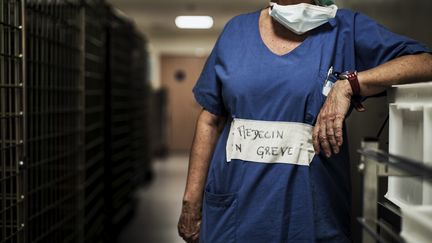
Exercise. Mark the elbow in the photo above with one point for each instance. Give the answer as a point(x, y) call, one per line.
point(211, 120)
point(426, 59)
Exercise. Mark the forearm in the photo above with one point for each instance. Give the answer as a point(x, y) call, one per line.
point(207, 132)
point(402, 70)
point(328, 133)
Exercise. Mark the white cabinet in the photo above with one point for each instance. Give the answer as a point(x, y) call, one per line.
point(410, 136)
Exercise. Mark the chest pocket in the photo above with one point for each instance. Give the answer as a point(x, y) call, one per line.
point(316, 99)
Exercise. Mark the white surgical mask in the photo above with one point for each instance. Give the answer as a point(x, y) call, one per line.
point(300, 18)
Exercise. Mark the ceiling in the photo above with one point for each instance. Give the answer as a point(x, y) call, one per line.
point(156, 18)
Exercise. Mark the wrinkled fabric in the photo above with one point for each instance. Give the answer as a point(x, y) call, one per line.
point(246, 201)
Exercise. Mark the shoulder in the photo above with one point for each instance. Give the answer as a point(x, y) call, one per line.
point(243, 19)
point(349, 18)
point(345, 13)
point(240, 24)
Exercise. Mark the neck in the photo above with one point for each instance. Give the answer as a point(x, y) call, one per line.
point(289, 2)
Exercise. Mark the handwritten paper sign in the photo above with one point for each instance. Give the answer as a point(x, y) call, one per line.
point(270, 142)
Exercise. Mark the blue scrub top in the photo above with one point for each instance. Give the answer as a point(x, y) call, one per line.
point(248, 202)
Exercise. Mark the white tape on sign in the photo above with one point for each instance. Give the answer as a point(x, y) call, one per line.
point(270, 142)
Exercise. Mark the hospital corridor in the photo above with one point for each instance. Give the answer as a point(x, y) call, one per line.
point(203, 121)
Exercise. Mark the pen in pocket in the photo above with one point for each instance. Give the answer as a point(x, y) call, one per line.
point(328, 84)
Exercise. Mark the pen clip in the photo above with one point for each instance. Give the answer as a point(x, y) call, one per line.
point(329, 72)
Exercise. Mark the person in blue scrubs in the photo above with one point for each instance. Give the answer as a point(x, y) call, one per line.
point(263, 75)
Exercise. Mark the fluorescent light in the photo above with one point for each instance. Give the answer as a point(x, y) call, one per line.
point(194, 22)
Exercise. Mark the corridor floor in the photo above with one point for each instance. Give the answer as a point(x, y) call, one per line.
point(159, 204)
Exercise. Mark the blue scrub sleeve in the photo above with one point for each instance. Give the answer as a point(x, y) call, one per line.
point(207, 90)
point(374, 44)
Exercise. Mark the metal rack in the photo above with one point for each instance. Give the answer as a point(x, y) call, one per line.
point(12, 131)
point(377, 164)
point(119, 168)
point(74, 116)
point(91, 170)
point(141, 145)
point(128, 143)
point(54, 115)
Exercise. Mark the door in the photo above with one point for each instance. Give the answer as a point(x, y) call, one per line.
point(179, 74)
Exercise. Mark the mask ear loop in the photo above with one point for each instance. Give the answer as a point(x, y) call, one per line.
point(271, 5)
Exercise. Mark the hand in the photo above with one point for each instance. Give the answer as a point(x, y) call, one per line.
point(327, 133)
point(189, 222)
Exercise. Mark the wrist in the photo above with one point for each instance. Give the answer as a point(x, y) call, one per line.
point(189, 206)
point(352, 78)
point(351, 86)
point(346, 88)
point(192, 200)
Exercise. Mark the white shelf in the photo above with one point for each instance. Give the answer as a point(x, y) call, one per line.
point(410, 135)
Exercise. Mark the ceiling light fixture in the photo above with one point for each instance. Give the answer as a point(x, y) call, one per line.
point(194, 22)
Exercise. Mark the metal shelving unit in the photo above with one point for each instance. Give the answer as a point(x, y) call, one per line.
point(12, 131)
point(378, 164)
point(74, 116)
point(128, 145)
point(54, 114)
point(91, 169)
point(119, 170)
point(141, 146)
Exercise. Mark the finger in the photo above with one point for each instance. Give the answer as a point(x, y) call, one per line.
point(185, 238)
point(331, 136)
point(338, 126)
point(188, 238)
point(323, 139)
point(315, 141)
point(195, 238)
point(184, 233)
point(180, 229)
point(189, 235)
